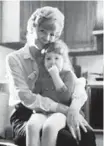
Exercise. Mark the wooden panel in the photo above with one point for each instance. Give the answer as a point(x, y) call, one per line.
point(26, 9)
point(99, 16)
point(80, 17)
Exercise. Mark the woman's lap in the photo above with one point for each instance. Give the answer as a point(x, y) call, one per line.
point(65, 138)
point(19, 120)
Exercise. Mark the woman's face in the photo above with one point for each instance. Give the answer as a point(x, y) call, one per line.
point(48, 32)
point(52, 58)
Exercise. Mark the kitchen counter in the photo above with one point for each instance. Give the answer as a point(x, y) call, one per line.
point(94, 83)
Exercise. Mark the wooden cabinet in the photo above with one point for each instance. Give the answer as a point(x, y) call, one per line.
point(79, 20)
point(94, 105)
point(79, 23)
point(26, 9)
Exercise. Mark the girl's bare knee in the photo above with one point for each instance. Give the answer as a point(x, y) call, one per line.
point(54, 123)
point(33, 125)
point(47, 127)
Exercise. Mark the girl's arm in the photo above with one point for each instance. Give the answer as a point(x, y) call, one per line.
point(64, 93)
point(19, 87)
point(64, 84)
point(70, 84)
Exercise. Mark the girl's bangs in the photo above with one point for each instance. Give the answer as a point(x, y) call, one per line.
point(55, 48)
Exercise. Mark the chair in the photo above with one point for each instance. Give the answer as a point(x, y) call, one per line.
point(6, 136)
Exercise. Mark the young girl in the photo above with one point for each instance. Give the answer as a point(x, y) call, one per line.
point(57, 81)
point(44, 26)
point(56, 78)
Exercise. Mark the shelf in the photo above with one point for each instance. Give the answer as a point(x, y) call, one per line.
point(13, 45)
point(98, 32)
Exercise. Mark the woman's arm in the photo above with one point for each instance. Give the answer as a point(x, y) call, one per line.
point(79, 97)
point(21, 89)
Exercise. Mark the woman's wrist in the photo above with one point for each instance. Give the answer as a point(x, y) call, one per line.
point(75, 105)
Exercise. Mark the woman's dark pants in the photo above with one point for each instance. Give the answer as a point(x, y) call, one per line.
point(64, 138)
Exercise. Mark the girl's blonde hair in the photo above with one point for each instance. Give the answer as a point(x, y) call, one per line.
point(59, 47)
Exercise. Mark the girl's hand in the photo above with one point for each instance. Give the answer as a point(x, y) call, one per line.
point(53, 70)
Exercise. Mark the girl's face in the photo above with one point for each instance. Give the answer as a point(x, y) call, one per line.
point(48, 32)
point(52, 58)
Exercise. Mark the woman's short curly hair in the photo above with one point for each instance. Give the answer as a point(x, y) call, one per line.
point(48, 13)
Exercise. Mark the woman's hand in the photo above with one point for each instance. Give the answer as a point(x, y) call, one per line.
point(74, 121)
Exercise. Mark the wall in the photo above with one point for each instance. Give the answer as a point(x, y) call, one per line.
point(4, 114)
point(3, 52)
point(0, 20)
point(10, 21)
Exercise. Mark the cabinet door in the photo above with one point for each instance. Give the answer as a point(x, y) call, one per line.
point(94, 106)
point(79, 23)
point(26, 9)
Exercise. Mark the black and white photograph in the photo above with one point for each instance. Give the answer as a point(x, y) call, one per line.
point(51, 72)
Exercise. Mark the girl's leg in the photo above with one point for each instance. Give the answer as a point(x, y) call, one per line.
point(33, 128)
point(51, 128)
